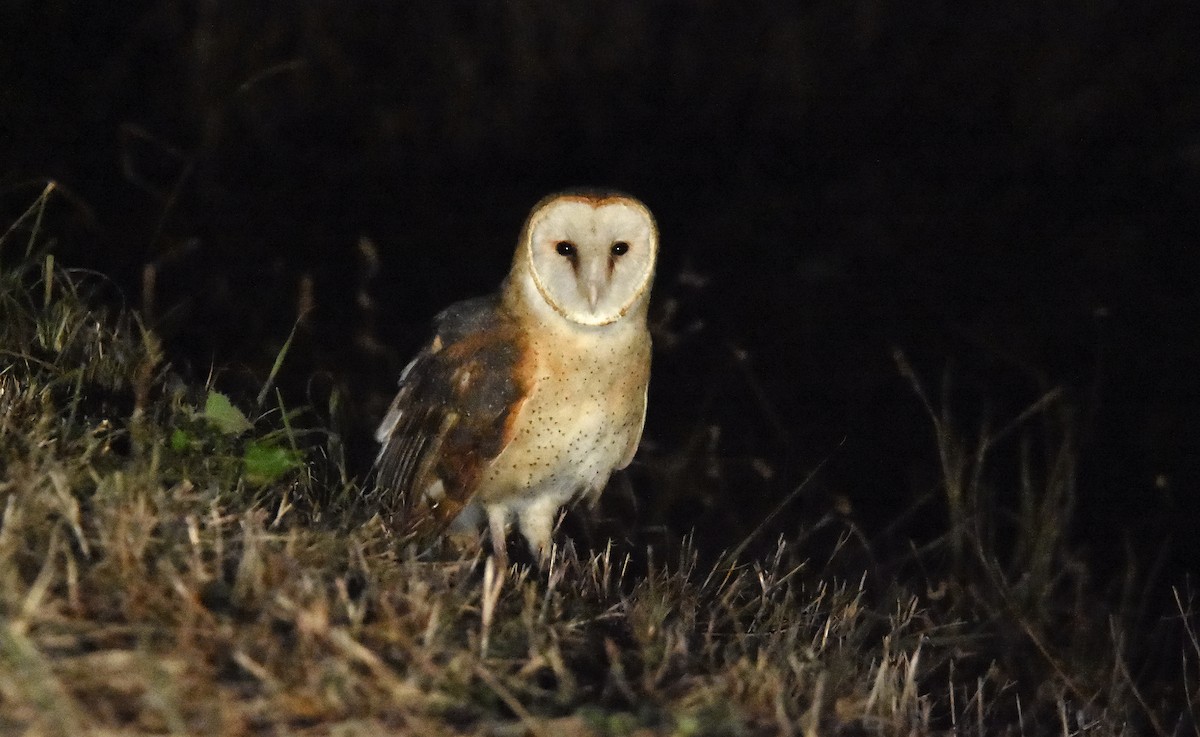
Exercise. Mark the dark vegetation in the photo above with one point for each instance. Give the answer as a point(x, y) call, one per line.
point(918, 456)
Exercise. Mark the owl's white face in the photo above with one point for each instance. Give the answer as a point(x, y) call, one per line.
point(591, 258)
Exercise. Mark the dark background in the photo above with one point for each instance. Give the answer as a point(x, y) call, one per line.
point(1007, 193)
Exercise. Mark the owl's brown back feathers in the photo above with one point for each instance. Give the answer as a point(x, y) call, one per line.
point(452, 415)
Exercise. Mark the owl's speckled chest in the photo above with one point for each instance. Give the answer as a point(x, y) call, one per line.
point(582, 419)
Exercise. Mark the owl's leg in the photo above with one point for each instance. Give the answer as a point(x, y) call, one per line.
point(536, 521)
point(497, 516)
point(618, 481)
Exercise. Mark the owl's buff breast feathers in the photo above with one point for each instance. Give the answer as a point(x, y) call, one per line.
point(582, 418)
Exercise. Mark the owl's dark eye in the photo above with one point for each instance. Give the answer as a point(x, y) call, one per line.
point(565, 248)
point(620, 248)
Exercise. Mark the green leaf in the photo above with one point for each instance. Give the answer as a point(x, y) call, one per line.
point(221, 413)
point(181, 440)
point(265, 463)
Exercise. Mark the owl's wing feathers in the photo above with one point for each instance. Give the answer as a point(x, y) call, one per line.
point(453, 414)
point(636, 438)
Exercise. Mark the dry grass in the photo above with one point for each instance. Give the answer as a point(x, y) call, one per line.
point(149, 584)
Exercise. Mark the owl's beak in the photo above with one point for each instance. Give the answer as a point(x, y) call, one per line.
point(593, 279)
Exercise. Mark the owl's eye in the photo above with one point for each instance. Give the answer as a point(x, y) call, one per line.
point(565, 248)
point(620, 248)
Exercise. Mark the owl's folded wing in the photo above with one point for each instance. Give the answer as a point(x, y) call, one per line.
point(454, 413)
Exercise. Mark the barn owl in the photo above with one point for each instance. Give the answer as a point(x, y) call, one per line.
point(531, 397)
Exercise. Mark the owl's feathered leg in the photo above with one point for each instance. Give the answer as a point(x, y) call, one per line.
point(497, 516)
point(536, 522)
